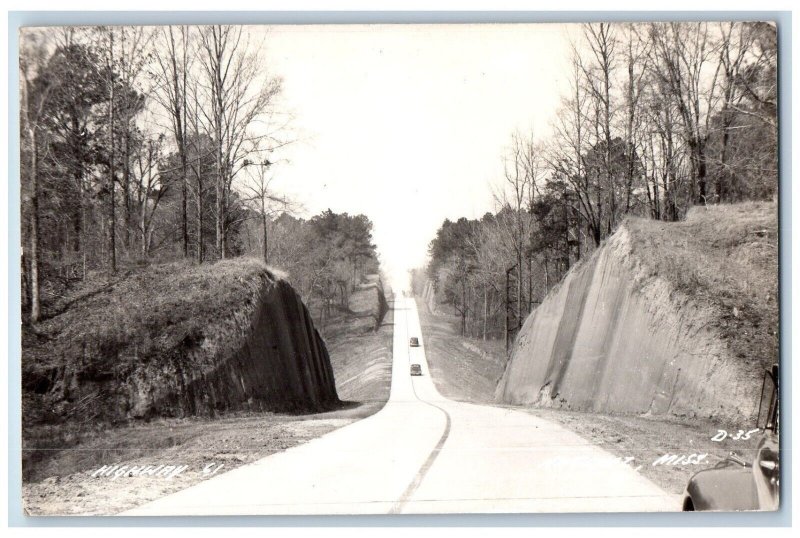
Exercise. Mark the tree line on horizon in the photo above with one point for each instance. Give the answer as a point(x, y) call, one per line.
point(659, 117)
point(143, 145)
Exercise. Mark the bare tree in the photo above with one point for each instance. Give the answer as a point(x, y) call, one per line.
point(566, 157)
point(33, 58)
point(598, 72)
point(106, 43)
point(521, 173)
point(173, 60)
point(635, 56)
point(759, 81)
point(686, 60)
point(151, 189)
point(239, 94)
point(133, 57)
point(195, 157)
point(265, 200)
point(735, 42)
point(489, 273)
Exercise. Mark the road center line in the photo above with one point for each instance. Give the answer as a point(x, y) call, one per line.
point(412, 487)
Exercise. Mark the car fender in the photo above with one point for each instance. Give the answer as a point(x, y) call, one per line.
point(729, 486)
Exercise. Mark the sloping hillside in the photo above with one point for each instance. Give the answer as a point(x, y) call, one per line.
point(664, 318)
point(176, 340)
point(464, 369)
point(360, 344)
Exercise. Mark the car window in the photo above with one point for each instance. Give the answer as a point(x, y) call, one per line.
point(768, 403)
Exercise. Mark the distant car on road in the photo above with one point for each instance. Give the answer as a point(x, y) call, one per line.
point(416, 369)
point(735, 484)
point(414, 341)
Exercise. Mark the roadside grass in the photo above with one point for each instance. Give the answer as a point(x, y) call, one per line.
point(724, 257)
point(463, 368)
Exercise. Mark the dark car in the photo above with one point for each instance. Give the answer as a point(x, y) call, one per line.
point(416, 369)
point(736, 484)
point(414, 341)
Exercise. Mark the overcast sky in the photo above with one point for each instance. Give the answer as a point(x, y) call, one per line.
point(407, 124)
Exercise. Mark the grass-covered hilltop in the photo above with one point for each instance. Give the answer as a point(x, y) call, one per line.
point(724, 257)
point(173, 340)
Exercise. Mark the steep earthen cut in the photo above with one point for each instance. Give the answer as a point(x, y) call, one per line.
point(282, 364)
point(615, 337)
point(178, 340)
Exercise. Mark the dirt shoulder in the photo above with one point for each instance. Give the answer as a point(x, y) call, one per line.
point(463, 368)
point(647, 440)
point(163, 456)
point(467, 369)
point(202, 447)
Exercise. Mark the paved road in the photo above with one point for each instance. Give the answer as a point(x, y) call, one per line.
point(423, 453)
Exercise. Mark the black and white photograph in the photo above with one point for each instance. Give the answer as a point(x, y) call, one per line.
point(361, 269)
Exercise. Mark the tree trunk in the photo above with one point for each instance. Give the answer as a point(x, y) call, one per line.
point(126, 178)
point(184, 203)
point(607, 133)
point(485, 310)
point(184, 112)
point(111, 182)
point(464, 307)
point(219, 111)
point(80, 217)
point(546, 277)
point(219, 231)
point(520, 276)
point(702, 172)
point(264, 225)
point(530, 285)
point(266, 257)
point(34, 229)
point(630, 146)
point(143, 227)
point(200, 237)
